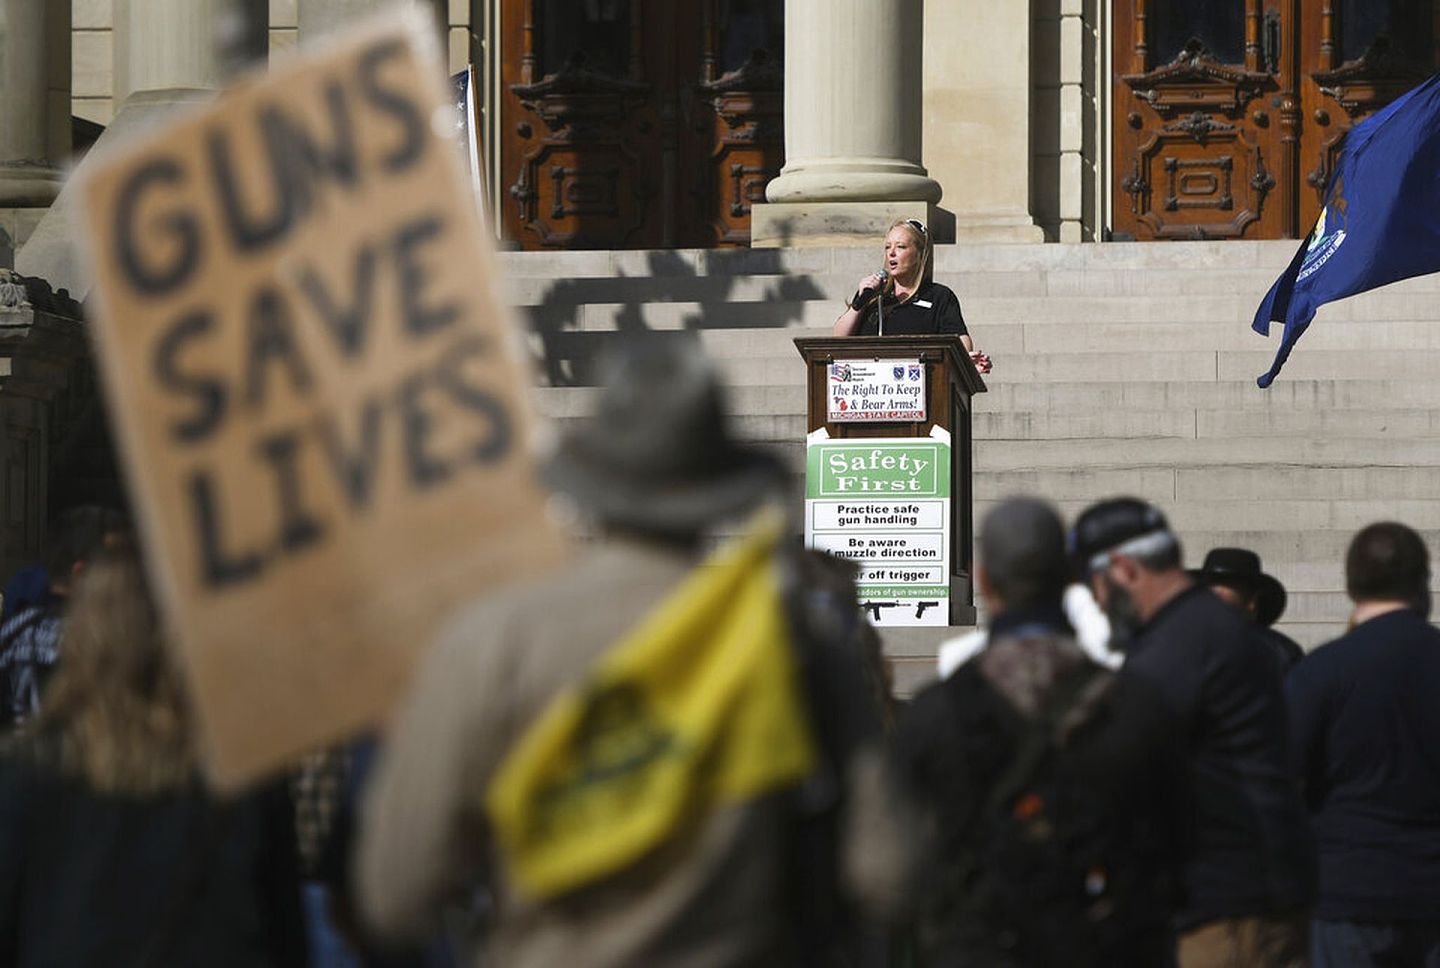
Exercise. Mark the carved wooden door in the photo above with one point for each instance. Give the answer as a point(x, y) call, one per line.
point(1356, 57)
point(1228, 112)
point(638, 123)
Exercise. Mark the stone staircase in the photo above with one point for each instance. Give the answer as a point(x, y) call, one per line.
point(1119, 369)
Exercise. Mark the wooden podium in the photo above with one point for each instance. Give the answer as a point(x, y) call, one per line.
point(950, 381)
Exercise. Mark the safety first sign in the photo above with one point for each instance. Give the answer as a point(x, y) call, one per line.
point(884, 503)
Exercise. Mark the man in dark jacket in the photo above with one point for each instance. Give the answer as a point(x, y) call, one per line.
point(1237, 579)
point(1248, 869)
point(1365, 716)
point(1022, 814)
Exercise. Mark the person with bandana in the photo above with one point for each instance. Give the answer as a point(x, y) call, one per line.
point(1248, 867)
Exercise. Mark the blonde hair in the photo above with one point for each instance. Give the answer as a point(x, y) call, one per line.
point(116, 706)
point(920, 236)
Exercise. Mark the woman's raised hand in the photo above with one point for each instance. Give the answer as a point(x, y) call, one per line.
point(871, 283)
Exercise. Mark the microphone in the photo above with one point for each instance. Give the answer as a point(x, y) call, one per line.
point(863, 296)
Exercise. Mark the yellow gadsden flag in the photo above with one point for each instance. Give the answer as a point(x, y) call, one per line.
point(699, 706)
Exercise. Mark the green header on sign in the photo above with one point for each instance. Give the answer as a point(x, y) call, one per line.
point(874, 469)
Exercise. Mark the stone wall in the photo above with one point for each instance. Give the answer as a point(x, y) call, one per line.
point(1066, 118)
point(93, 81)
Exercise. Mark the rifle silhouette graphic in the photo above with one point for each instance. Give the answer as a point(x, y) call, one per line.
point(874, 608)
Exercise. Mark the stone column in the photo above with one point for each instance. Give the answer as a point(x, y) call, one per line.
point(316, 18)
point(167, 53)
point(853, 76)
point(34, 100)
point(986, 131)
point(182, 45)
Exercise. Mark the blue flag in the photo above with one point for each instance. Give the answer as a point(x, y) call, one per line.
point(1380, 223)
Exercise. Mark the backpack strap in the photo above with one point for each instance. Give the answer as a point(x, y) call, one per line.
point(1042, 734)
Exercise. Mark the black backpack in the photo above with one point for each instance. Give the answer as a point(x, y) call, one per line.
point(1050, 867)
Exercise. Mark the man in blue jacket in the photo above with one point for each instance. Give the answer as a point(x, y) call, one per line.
point(1365, 715)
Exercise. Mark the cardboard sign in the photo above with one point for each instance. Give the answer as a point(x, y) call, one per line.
point(884, 503)
point(865, 390)
point(321, 412)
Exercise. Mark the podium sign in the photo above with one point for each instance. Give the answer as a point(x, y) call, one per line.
point(888, 482)
point(862, 390)
point(884, 503)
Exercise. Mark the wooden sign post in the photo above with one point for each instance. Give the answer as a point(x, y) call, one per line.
point(312, 377)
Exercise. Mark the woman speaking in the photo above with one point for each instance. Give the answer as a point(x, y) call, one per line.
point(901, 301)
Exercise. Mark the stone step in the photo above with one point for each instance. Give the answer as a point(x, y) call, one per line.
point(1368, 391)
point(632, 317)
point(1132, 284)
point(1052, 338)
point(1312, 635)
point(1334, 465)
point(779, 424)
point(1002, 455)
point(1110, 337)
point(1310, 548)
point(1136, 424)
point(1141, 426)
point(540, 291)
point(566, 352)
point(1188, 514)
point(791, 304)
point(1238, 398)
point(851, 261)
point(1228, 306)
point(1166, 485)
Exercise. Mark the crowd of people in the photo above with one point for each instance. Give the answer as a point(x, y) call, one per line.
point(663, 757)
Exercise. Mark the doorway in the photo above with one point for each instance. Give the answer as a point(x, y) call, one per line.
point(638, 123)
point(1228, 114)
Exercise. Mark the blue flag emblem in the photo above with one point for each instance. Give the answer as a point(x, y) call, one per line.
point(1380, 223)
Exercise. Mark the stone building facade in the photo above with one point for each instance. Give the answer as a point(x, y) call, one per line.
point(695, 124)
point(1000, 102)
point(1033, 120)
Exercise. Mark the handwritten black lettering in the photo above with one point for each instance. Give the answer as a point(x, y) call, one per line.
point(271, 340)
point(498, 437)
point(420, 319)
point(208, 392)
point(355, 465)
point(349, 324)
point(424, 468)
point(298, 527)
point(296, 155)
point(248, 229)
point(390, 101)
point(181, 227)
point(218, 567)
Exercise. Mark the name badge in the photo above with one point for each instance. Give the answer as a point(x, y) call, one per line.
point(923, 304)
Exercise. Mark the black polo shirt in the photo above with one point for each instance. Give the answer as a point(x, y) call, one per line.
point(934, 309)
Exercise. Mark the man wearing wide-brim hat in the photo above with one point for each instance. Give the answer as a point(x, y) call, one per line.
point(1236, 576)
point(552, 697)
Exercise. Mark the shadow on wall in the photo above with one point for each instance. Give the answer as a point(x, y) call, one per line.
point(680, 294)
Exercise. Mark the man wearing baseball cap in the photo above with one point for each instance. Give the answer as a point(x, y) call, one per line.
point(1248, 868)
